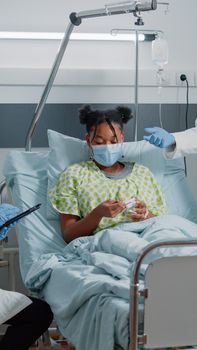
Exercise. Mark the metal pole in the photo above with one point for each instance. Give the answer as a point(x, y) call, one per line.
point(155, 32)
point(134, 317)
point(48, 86)
point(137, 32)
point(111, 9)
point(120, 8)
point(2, 187)
point(136, 83)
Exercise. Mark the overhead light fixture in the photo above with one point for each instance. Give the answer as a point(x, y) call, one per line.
point(74, 36)
point(31, 35)
point(104, 37)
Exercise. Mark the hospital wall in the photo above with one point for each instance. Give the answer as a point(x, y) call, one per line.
point(94, 71)
point(100, 73)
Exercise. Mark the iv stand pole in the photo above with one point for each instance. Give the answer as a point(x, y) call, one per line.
point(76, 19)
point(136, 84)
point(136, 31)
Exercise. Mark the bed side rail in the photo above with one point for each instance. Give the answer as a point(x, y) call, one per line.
point(2, 189)
point(3, 198)
point(135, 339)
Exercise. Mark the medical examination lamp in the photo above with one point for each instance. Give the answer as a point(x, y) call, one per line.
point(135, 7)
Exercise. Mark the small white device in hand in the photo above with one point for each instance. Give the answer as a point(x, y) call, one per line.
point(131, 203)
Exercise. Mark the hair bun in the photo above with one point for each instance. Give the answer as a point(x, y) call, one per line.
point(84, 112)
point(125, 113)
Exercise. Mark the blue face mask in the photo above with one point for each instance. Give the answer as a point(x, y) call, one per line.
point(107, 155)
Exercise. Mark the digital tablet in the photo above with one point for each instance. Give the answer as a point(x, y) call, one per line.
point(20, 216)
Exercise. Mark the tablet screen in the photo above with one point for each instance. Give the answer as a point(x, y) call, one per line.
point(20, 216)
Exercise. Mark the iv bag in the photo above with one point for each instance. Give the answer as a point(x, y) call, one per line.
point(160, 52)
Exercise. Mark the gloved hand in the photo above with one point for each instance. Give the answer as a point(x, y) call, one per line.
point(7, 211)
point(159, 137)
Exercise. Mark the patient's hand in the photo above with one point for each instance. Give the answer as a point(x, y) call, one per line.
point(140, 212)
point(110, 208)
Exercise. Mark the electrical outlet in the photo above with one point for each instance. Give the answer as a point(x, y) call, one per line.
point(189, 75)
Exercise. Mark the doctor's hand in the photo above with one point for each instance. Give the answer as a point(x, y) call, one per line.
point(110, 208)
point(140, 212)
point(7, 211)
point(159, 137)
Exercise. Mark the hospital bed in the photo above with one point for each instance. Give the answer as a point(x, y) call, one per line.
point(168, 292)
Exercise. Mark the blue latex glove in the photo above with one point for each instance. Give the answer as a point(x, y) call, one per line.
point(159, 137)
point(7, 211)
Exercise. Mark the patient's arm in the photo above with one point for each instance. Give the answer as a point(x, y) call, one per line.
point(73, 226)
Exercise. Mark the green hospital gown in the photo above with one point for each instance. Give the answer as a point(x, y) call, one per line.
point(83, 186)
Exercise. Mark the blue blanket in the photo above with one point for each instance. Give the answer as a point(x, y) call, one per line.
point(87, 285)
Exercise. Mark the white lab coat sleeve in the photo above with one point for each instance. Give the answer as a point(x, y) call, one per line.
point(11, 303)
point(186, 143)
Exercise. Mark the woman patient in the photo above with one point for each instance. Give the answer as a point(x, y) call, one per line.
point(92, 195)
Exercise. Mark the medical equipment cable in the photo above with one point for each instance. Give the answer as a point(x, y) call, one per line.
point(186, 118)
point(183, 77)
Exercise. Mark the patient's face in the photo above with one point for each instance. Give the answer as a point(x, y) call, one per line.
point(105, 135)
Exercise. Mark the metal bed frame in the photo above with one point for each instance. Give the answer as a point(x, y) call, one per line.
point(136, 292)
point(134, 7)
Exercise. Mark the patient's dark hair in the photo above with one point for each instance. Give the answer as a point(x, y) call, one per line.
point(92, 118)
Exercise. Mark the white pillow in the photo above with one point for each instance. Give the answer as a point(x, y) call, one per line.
point(66, 150)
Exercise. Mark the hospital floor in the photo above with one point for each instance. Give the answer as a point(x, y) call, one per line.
point(54, 338)
point(64, 347)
